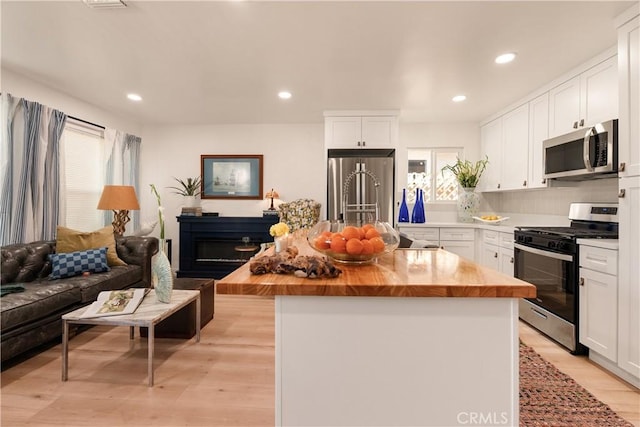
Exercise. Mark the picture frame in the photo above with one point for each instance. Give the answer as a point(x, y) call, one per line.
point(231, 176)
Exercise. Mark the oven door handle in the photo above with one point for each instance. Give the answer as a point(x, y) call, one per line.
point(554, 255)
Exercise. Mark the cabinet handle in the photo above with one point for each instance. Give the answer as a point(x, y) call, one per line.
point(575, 125)
point(544, 180)
point(581, 122)
point(364, 143)
point(498, 185)
point(621, 193)
point(581, 281)
point(524, 184)
point(622, 166)
point(358, 143)
point(495, 255)
point(511, 261)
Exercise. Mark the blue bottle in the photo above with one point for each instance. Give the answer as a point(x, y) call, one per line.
point(403, 216)
point(417, 215)
point(421, 217)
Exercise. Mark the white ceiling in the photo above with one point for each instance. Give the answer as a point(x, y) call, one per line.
point(224, 62)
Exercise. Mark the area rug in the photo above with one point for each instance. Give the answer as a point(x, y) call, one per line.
point(548, 397)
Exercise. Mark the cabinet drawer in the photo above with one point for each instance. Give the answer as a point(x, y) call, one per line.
point(457, 234)
point(431, 234)
point(506, 240)
point(599, 259)
point(491, 237)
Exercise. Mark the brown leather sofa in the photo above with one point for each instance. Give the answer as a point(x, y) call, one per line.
point(32, 317)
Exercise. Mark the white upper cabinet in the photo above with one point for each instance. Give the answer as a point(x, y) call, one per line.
point(361, 131)
point(515, 143)
point(538, 132)
point(585, 100)
point(491, 146)
point(629, 123)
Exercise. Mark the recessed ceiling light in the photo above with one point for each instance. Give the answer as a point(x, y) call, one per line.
point(505, 58)
point(458, 98)
point(134, 97)
point(284, 94)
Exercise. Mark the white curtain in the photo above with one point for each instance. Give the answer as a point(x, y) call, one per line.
point(122, 152)
point(29, 183)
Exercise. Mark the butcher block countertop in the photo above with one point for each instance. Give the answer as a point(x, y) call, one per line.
point(402, 273)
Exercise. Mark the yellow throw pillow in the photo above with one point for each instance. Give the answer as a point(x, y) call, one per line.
point(68, 240)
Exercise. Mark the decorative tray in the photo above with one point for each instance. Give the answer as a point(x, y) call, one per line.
point(498, 219)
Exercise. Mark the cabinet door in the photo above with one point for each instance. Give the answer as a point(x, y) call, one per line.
point(538, 132)
point(506, 261)
point(491, 256)
point(515, 148)
point(629, 93)
point(465, 249)
point(628, 274)
point(343, 132)
point(490, 146)
point(598, 309)
point(564, 107)
point(599, 93)
point(379, 132)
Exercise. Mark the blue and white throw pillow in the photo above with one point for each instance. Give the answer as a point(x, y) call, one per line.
point(74, 263)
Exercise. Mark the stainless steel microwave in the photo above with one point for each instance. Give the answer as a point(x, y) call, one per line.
point(583, 154)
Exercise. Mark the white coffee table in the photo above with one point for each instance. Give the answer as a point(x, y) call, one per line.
point(148, 315)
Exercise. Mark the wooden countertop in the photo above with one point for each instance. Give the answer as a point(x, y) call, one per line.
point(402, 273)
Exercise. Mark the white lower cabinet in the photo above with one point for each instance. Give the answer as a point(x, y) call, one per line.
point(598, 316)
point(458, 240)
point(497, 251)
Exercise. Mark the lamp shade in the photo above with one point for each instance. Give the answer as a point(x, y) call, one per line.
point(118, 197)
point(272, 194)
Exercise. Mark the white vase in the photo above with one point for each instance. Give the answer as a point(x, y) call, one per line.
point(162, 275)
point(468, 204)
point(191, 201)
point(282, 243)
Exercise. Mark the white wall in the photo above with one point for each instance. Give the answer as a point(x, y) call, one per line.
point(293, 166)
point(21, 87)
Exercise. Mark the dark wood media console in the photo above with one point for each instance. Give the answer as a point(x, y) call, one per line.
point(214, 246)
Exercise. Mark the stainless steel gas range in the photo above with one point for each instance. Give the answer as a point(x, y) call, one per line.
point(548, 258)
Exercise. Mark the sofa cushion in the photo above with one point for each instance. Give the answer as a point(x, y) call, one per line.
point(39, 299)
point(74, 263)
point(69, 240)
point(117, 278)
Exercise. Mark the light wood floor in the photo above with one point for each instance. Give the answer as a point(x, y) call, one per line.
point(225, 380)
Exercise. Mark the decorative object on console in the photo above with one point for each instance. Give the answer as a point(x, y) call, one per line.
point(231, 176)
point(191, 211)
point(190, 190)
point(120, 199)
point(417, 215)
point(403, 215)
point(272, 195)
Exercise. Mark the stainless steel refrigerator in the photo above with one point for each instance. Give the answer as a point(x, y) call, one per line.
point(361, 185)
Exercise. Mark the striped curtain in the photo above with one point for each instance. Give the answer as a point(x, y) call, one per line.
point(123, 167)
point(29, 184)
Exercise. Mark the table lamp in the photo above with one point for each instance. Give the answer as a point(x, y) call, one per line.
point(120, 199)
point(272, 195)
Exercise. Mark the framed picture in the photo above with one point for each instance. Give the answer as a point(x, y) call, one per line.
point(231, 176)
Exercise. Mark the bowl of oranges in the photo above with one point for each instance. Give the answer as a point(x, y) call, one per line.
point(351, 243)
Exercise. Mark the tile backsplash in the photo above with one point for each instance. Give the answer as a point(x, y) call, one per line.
point(553, 200)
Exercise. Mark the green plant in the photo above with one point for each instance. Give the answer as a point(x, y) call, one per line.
point(190, 187)
point(466, 172)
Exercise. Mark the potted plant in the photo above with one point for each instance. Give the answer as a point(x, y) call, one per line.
point(467, 174)
point(190, 189)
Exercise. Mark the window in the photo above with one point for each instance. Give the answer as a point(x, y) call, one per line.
point(83, 180)
point(425, 172)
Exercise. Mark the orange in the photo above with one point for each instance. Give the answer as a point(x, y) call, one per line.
point(354, 246)
point(350, 232)
point(323, 242)
point(367, 247)
point(338, 244)
point(362, 232)
point(366, 227)
point(371, 233)
point(378, 244)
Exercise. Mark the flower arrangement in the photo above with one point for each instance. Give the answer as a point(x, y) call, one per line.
point(278, 230)
point(160, 211)
point(467, 173)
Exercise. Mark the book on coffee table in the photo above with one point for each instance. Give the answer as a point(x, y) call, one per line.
point(114, 303)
